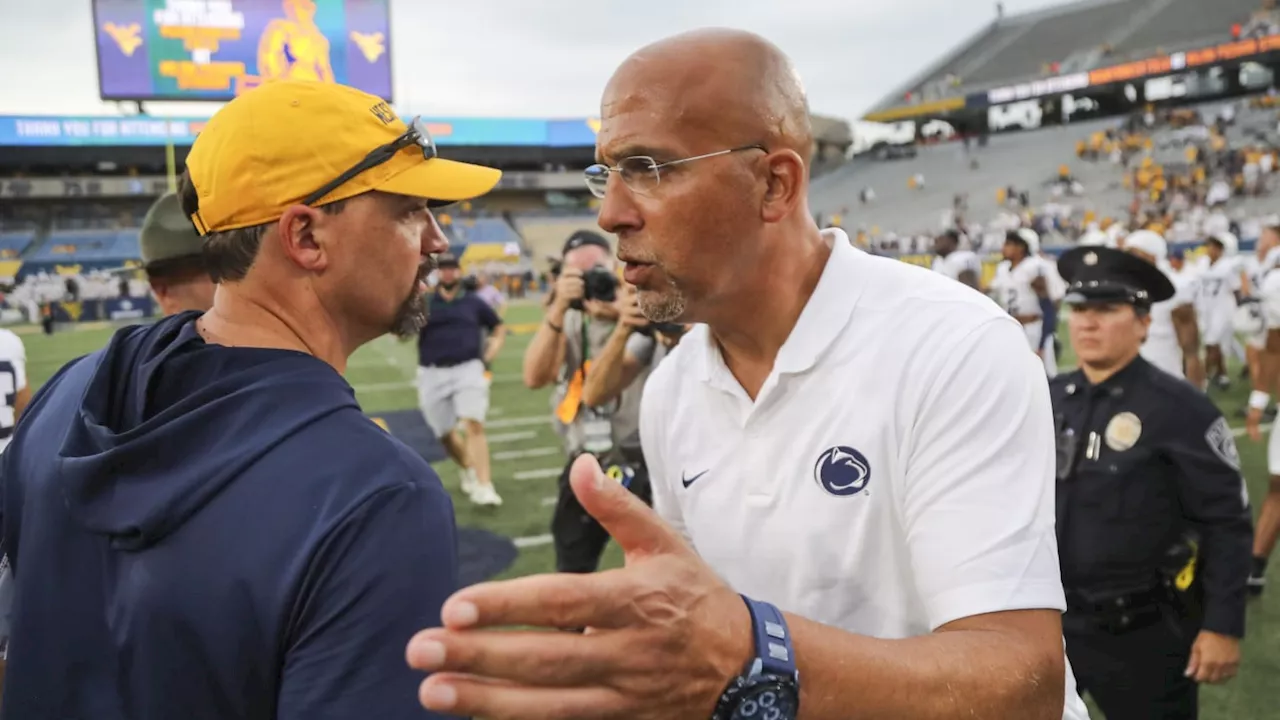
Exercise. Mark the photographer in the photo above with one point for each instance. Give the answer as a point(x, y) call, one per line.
point(580, 321)
point(635, 348)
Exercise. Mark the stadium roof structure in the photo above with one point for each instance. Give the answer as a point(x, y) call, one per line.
point(1077, 37)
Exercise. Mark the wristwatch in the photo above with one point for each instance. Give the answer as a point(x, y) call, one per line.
point(769, 686)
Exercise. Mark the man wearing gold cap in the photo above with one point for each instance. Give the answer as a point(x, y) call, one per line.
point(200, 518)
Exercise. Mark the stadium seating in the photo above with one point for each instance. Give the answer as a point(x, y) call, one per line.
point(1052, 39)
point(1025, 160)
point(544, 236)
point(13, 243)
point(1187, 21)
point(89, 246)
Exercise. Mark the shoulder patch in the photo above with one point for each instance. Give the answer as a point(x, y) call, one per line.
point(1223, 443)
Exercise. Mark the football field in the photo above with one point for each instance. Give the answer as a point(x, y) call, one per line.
point(527, 459)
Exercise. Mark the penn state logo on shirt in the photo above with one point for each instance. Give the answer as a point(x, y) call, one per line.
point(842, 471)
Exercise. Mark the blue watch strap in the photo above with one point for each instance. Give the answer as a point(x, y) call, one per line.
point(773, 638)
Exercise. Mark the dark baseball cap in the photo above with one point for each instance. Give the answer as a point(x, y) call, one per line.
point(583, 238)
point(447, 260)
point(168, 235)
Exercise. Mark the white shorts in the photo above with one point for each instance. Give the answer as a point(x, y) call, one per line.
point(447, 395)
point(1218, 324)
point(1165, 354)
point(1273, 451)
point(1258, 341)
point(1033, 331)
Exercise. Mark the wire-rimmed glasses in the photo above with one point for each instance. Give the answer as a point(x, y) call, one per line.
point(642, 173)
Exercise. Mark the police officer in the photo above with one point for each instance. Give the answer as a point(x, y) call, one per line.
point(172, 257)
point(1153, 520)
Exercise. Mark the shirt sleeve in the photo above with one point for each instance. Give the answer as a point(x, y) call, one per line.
point(652, 441)
point(378, 578)
point(641, 348)
point(978, 501)
point(19, 365)
point(488, 316)
point(1213, 495)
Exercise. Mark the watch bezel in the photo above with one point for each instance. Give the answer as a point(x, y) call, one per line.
point(755, 680)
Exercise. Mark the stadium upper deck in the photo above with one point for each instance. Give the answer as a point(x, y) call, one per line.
point(1060, 42)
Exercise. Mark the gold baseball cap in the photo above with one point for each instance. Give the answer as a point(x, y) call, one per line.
point(284, 141)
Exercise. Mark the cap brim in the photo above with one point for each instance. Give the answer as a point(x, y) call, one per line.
point(443, 181)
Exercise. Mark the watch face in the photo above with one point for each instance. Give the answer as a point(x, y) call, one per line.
point(770, 700)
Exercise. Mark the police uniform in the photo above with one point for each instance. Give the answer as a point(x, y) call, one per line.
point(1153, 520)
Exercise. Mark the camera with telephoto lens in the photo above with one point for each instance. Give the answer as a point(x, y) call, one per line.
point(598, 283)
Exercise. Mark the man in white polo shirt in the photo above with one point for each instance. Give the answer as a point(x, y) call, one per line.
point(862, 448)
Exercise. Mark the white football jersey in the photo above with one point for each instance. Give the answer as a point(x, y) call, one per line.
point(956, 263)
point(13, 377)
point(1219, 281)
point(1012, 289)
point(1255, 270)
point(1161, 347)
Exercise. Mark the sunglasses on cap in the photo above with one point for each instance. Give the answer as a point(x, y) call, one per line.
point(416, 135)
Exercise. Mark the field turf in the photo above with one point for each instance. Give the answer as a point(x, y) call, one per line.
point(527, 458)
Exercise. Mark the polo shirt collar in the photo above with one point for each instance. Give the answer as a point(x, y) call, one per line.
point(821, 322)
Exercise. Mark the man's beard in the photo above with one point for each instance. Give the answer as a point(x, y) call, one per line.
point(412, 315)
point(665, 306)
point(450, 286)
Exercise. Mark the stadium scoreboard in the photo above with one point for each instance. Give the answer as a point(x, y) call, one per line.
point(213, 50)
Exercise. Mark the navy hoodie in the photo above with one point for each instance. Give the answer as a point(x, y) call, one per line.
point(199, 531)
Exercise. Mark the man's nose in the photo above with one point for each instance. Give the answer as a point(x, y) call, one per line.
point(618, 210)
point(434, 240)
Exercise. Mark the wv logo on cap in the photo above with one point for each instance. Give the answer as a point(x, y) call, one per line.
point(842, 471)
point(383, 112)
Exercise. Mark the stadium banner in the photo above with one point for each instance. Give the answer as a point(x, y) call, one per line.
point(53, 131)
point(1038, 88)
point(217, 49)
point(1179, 61)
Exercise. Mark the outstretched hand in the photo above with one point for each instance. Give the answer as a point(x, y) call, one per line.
point(664, 634)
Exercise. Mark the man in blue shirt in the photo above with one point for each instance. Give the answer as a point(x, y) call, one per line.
point(201, 521)
point(452, 388)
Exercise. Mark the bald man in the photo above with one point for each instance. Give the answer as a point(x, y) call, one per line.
point(852, 457)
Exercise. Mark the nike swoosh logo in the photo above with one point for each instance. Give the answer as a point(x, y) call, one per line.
point(689, 481)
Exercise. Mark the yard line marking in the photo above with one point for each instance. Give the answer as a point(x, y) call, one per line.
point(513, 436)
point(538, 474)
point(519, 421)
point(532, 541)
point(549, 501)
point(521, 454)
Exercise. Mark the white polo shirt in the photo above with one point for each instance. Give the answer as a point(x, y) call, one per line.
point(895, 472)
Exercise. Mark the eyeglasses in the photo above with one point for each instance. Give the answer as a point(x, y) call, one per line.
point(416, 135)
point(642, 173)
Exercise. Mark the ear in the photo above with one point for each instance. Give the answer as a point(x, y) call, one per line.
point(300, 237)
point(787, 180)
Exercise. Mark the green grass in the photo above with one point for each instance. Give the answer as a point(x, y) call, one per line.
point(382, 374)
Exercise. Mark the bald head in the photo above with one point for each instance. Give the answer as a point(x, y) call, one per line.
point(730, 85)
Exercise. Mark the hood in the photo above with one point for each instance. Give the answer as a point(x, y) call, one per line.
point(167, 422)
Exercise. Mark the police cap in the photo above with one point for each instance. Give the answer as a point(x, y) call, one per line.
point(1105, 275)
point(168, 238)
